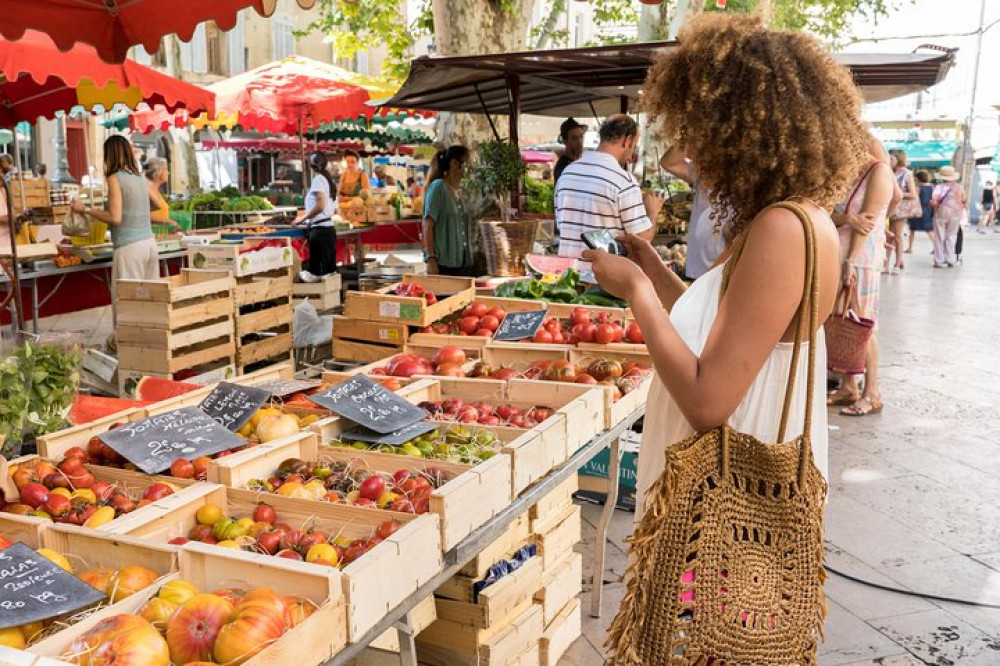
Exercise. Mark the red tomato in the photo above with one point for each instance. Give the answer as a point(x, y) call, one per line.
point(449, 354)
point(497, 312)
point(580, 316)
point(605, 334)
point(477, 309)
point(490, 322)
point(619, 332)
point(584, 332)
point(504, 374)
point(634, 335)
point(468, 325)
point(543, 336)
point(484, 333)
point(585, 379)
point(449, 370)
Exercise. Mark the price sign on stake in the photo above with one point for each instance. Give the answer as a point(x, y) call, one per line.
point(520, 325)
point(33, 588)
point(285, 387)
point(396, 438)
point(153, 443)
point(233, 405)
point(369, 404)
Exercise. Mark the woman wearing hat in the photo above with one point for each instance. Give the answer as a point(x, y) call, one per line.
point(948, 204)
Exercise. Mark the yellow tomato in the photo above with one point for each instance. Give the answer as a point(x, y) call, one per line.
point(322, 553)
point(287, 489)
point(228, 543)
point(84, 493)
point(56, 558)
point(209, 514)
point(12, 638)
point(61, 491)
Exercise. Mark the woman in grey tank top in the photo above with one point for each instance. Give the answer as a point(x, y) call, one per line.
point(128, 215)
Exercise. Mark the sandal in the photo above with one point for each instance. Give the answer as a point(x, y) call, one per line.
point(841, 398)
point(863, 407)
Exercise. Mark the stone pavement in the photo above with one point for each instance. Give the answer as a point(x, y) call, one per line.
point(914, 497)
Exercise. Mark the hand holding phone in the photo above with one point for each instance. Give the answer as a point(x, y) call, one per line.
point(603, 240)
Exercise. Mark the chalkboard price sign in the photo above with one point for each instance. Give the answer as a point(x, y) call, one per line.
point(401, 436)
point(520, 325)
point(154, 443)
point(281, 388)
point(33, 588)
point(233, 405)
point(369, 404)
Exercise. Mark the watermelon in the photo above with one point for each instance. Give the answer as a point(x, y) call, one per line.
point(155, 389)
point(88, 408)
point(548, 264)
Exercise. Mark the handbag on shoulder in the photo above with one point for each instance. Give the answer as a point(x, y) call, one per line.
point(727, 561)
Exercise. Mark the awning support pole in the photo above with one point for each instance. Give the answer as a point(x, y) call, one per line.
point(514, 94)
point(486, 111)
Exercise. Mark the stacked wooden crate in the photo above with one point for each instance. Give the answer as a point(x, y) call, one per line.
point(366, 341)
point(502, 624)
point(29, 193)
point(556, 528)
point(323, 295)
point(175, 326)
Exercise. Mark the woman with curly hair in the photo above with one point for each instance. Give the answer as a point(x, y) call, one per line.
point(769, 117)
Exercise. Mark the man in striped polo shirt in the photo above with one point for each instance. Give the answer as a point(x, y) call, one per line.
point(597, 192)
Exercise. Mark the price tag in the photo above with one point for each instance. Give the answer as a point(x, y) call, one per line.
point(34, 588)
point(369, 404)
point(401, 436)
point(389, 309)
point(233, 405)
point(520, 325)
point(285, 387)
point(154, 443)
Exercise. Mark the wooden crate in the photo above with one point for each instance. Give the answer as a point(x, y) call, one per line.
point(513, 304)
point(367, 341)
point(422, 616)
point(565, 629)
point(565, 311)
point(462, 589)
point(26, 529)
point(263, 287)
point(191, 298)
point(12, 657)
point(555, 544)
point(171, 361)
point(56, 444)
point(429, 343)
point(496, 602)
point(35, 191)
point(616, 411)
point(514, 537)
point(519, 355)
point(229, 256)
point(560, 585)
point(263, 302)
point(312, 642)
point(322, 295)
point(276, 348)
point(447, 643)
point(383, 305)
point(89, 549)
point(532, 657)
point(546, 514)
point(372, 585)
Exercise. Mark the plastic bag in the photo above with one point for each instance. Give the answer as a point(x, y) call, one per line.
point(309, 328)
point(75, 224)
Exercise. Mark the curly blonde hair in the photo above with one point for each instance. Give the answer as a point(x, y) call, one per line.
point(765, 115)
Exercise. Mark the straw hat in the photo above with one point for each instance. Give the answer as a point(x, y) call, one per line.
point(947, 173)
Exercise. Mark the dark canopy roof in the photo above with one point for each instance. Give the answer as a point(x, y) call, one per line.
point(567, 81)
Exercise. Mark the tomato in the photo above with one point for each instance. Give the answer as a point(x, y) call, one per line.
point(497, 312)
point(506, 412)
point(634, 335)
point(605, 369)
point(390, 367)
point(449, 370)
point(476, 309)
point(481, 369)
point(605, 334)
point(409, 368)
point(449, 354)
point(489, 420)
point(484, 333)
point(557, 338)
point(468, 325)
point(504, 374)
point(584, 378)
point(490, 322)
point(619, 332)
point(392, 384)
point(561, 371)
point(542, 336)
point(584, 332)
point(580, 316)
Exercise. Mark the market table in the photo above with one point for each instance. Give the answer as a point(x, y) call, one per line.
point(467, 549)
point(54, 277)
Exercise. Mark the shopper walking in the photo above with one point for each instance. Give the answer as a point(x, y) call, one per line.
point(320, 206)
point(740, 99)
point(447, 246)
point(909, 206)
point(925, 222)
point(988, 199)
point(948, 204)
point(861, 223)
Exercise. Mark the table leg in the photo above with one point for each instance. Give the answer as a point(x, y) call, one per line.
point(34, 305)
point(407, 646)
point(601, 538)
point(359, 257)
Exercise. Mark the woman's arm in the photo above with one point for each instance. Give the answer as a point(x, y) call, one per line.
point(667, 284)
point(159, 212)
point(878, 195)
point(428, 239)
point(764, 295)
point(113, 215)
point(676, 164)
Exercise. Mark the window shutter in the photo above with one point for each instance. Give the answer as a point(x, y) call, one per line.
point(199, 50)
point(187, 55)
point(234, 37)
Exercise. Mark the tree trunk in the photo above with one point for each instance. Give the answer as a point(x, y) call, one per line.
point(549, 25)
point(654, 22)
point(469, 27)
point(685, 13)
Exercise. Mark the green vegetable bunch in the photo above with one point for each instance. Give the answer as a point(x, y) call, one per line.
point(541, 196)
point(54, 382)
point(246, 204)
point(13, 401)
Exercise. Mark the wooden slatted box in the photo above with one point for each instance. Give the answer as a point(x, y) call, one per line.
point(263, 310)
point(383, 305)
point(365, 341)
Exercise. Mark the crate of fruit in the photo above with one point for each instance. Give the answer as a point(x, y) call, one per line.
point(463, 496)
point(218, 606)
point(481, 318)
point(418, 300)
point(380, 560)
point(256, 254)
point(629, 374)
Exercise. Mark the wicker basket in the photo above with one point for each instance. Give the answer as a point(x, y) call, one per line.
point(505, 245)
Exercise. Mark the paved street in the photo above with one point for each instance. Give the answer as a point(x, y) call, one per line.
point(914, 496)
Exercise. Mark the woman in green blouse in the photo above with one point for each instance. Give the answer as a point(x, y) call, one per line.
point(447, 246)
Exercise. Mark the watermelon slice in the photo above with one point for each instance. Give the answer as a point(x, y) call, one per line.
point(155, 389)
point(88, 408)
point(549, 264)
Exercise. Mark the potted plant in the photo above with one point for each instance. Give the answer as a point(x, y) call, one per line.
point(499, 168)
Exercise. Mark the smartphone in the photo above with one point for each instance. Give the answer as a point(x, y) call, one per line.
point(603, 240)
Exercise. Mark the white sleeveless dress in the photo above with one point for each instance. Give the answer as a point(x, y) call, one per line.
point(759, 414)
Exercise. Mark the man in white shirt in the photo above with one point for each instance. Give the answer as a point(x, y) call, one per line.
point(705, 240)
point(597, 192)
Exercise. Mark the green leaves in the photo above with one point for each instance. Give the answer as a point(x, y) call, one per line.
point(38, 384)
point(498, 168)
point(827, 19)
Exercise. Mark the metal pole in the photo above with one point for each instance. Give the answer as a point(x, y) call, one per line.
point(15, 268)
point(62, 174)
point(968, 168)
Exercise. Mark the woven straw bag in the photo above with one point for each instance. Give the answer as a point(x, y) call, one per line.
point(727, 562)
point(847, 334)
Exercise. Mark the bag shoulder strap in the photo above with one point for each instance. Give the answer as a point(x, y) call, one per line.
point(808, 315)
